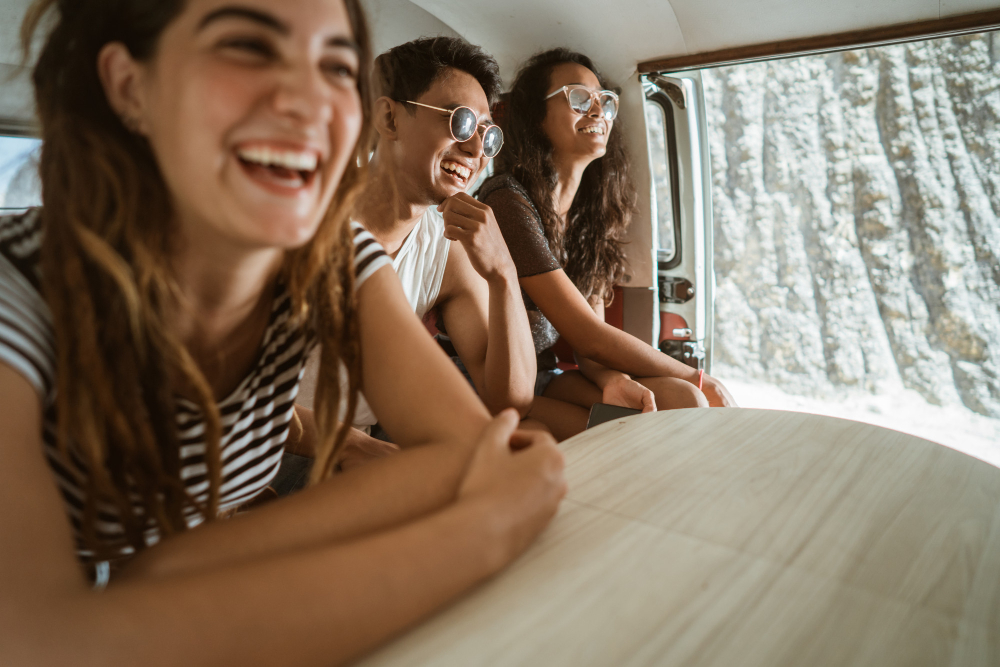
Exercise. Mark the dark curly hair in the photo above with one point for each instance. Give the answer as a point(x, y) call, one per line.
point(590, 245)
point(405, 72)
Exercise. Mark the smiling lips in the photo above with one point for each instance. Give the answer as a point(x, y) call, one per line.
point(283, 168)
point(459, 170)
point(592, 129)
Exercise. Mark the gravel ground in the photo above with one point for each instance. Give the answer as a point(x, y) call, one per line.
point(906, 411)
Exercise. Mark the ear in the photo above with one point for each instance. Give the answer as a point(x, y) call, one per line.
point(384, 118)
point(121, 76)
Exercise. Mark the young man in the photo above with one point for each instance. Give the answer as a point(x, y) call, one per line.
point(446, 247)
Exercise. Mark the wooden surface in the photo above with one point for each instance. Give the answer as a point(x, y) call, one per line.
point(743, 537)
point(854, 39)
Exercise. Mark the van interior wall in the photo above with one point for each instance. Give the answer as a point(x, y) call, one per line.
point(857, 221)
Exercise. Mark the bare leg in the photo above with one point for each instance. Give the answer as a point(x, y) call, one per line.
point(573, 387)
point(563, 419)
point(673, 393)
point(529, 424)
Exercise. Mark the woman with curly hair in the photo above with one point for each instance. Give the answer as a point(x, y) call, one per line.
point(198, 166)
point(563, 198)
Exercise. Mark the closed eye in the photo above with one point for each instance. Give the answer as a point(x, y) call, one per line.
point(249, 46)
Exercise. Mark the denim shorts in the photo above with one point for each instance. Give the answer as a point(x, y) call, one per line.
point(543, 378)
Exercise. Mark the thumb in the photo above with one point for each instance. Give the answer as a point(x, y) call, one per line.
point(498, 432)
point(648, 402)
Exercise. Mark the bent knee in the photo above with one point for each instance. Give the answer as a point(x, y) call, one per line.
point(674, 393)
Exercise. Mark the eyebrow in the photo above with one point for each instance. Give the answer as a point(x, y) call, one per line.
point(247, 13)
point(269, 21)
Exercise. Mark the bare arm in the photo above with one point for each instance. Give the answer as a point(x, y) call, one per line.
point(483, 310)
point(342, 598)
point(561, 302)
point(617, 388)
point(398, 357)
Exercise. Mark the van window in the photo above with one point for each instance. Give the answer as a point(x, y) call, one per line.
point(19, 183)
point(856, 204)
point(663, 213)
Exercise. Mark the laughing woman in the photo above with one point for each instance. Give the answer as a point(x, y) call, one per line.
point(199, 160)
point(563, 197)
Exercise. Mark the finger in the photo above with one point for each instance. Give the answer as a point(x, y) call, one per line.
point(648, 401)
point(497, 433)
point(468, 207)
point(466, 198)
point(523, 438)
point(454, 233)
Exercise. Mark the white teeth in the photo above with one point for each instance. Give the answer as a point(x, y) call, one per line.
point(456, 168)
point(272, 157)
point(593, 129)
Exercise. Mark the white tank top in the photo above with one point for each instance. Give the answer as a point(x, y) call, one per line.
point(420, 265)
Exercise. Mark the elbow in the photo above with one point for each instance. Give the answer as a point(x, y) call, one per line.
point(520, 401)
point(516, 393)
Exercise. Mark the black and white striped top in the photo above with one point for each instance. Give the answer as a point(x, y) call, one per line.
point(255, 416)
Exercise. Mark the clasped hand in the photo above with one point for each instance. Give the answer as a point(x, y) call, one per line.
point(472, 223)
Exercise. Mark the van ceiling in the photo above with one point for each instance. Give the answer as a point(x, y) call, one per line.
point(617, 34)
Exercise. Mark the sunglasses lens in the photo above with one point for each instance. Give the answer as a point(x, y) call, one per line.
point(492, 141)
point(609, 106)
point(579, 100)
point(463, 123)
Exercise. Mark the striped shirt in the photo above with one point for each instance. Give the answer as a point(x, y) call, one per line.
point(255, 416)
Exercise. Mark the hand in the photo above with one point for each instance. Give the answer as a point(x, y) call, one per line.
point(361, 448)
point(627, 393)
point(519, 476)
point(471, 223)
point(716, 393)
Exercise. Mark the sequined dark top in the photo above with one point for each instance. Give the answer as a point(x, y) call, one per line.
point(522, 229)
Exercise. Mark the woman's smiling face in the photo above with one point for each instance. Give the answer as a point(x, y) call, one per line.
point(252, 110)
point(574, 136)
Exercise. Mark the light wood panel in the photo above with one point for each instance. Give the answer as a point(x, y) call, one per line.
point(744, 537)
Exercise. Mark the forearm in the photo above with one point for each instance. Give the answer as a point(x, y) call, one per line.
point(597, 373)
point(510, 365)
point(342, 600)
point(620, 351)
point(376, 496)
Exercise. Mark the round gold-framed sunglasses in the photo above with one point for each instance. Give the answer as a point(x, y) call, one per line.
point(464, 123)
point(581, 99)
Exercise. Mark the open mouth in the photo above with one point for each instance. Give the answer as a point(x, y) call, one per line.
point(592, 129)
point(459, 171)
point(283, 168)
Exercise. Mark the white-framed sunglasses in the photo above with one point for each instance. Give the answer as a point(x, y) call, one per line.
point(581, 99)
point(463, 123)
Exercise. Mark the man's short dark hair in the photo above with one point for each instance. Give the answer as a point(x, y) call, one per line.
point(405, 72)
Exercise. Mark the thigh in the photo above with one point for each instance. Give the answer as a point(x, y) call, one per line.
point(673, 393)
point(563, 420)
point(572, 387)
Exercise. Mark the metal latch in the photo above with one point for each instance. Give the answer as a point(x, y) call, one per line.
point(675, 290)
point(691, 353)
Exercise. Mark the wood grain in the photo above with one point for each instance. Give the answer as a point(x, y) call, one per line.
point(743, 537)
point(854, 39)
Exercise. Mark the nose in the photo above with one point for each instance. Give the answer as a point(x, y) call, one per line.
point(595, 110)
point(473, 146)
point(303, 95)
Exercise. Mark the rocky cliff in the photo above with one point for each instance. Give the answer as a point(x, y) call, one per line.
point(856, 202)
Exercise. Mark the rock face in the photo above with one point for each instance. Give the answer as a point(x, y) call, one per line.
point(856, 200)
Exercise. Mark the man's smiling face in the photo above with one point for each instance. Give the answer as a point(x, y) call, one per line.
point(432, 165)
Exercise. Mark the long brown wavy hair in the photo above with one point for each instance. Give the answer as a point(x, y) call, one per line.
point(106, 278)
point(589, 246)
